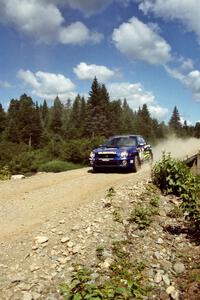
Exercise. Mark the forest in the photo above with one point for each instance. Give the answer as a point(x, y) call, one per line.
point(38, 137)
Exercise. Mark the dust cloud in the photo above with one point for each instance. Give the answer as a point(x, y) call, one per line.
point(177, 147)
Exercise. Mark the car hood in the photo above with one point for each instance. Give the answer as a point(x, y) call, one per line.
point(114, 150)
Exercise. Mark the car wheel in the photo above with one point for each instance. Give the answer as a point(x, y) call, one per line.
point(95, 170)
point(136, 164)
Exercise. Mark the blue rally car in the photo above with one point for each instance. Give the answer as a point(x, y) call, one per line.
point(123, 151)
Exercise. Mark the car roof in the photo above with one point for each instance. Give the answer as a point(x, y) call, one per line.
point(125, 135)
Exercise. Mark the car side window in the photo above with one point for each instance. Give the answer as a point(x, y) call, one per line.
point(141, 141)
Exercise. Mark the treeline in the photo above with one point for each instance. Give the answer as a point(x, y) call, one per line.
point(35, 133)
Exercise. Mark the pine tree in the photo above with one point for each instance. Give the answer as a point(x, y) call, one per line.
point(2, 119)
point(56, 121)
point(128, 119)
point(44, 114)
point(97, 122)
point(144, 123)
point(197, 130)
point(75, 119)
point(116, 118)
point(12, 130)
point(175, 122)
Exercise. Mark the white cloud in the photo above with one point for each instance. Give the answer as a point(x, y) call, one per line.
point(44, 22)
point(141, 41)
point(4, 85)
point(87, 72)
point(189, 79)
point(78, 33)
point(158, 111)
point(136, 96)
point(48, 85)
point(185, 11)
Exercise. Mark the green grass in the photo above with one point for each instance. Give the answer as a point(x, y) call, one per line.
point(57, 166)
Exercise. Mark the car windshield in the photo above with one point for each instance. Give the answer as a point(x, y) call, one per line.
point(121, 142)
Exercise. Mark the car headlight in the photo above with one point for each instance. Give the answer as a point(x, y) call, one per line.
point(124, 154)
point(92, 155)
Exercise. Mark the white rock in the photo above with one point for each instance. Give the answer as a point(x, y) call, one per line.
point(27, 296)
point(160, 241)
point(106, 264)
point(166, 279)
point(41, 239)
point(172, 292)
point(34, 268)
point(70, 244)
point(62, 260)
point(158, 277)
point(170, 289)
point(62, 221)
point(16, 177)
point(76, 249)
point(179, 268)
point(65, 239)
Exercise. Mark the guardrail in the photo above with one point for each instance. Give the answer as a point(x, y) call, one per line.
point(193, 162)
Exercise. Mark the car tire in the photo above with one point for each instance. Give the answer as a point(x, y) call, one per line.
point(136, 164)
point(95, 170)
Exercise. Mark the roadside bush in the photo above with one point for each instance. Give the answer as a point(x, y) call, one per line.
point(173, 176)
point(28, 162)
point(141, 215)
point(78, 151)
point(8, 150)
point(57, 166)
point(5, 173)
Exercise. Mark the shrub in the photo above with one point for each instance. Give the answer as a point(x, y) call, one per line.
point(5, 173)
point(78, 151)
point(28, 162)
point(170, 175)
point(173, 176)
point(141, 216)
point(57, 166)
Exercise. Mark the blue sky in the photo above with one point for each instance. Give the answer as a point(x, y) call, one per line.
point(146, 51)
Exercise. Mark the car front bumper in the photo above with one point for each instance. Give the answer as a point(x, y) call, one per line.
point(111, 163)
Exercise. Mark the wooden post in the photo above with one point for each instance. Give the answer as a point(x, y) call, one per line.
point(198, 163)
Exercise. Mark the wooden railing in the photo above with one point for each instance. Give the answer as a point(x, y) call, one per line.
point(194, 163)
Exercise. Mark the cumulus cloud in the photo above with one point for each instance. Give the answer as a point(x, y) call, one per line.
point(141, 41)
point(47, 85)
point(44, 22)
point(158, 111)
point(4, 85)
point(87, 72)
point(136, 96)
point(78, 33)
point(185, 11)
point(190, 79)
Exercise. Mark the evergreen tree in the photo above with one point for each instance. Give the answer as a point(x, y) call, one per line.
point(175, 122)
point(97, 122)
point(75, 119)
point(197, 130)
point(12, 130)
point(116, 118)
point(128, 119)
point(144, 123)
point(2, 119)
point(44, 114)
point(56, 121)
point(82, 117)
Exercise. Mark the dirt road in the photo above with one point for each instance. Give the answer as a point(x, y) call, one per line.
point(26, 204)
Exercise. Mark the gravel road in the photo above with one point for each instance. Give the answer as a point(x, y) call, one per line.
point(26, 204)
